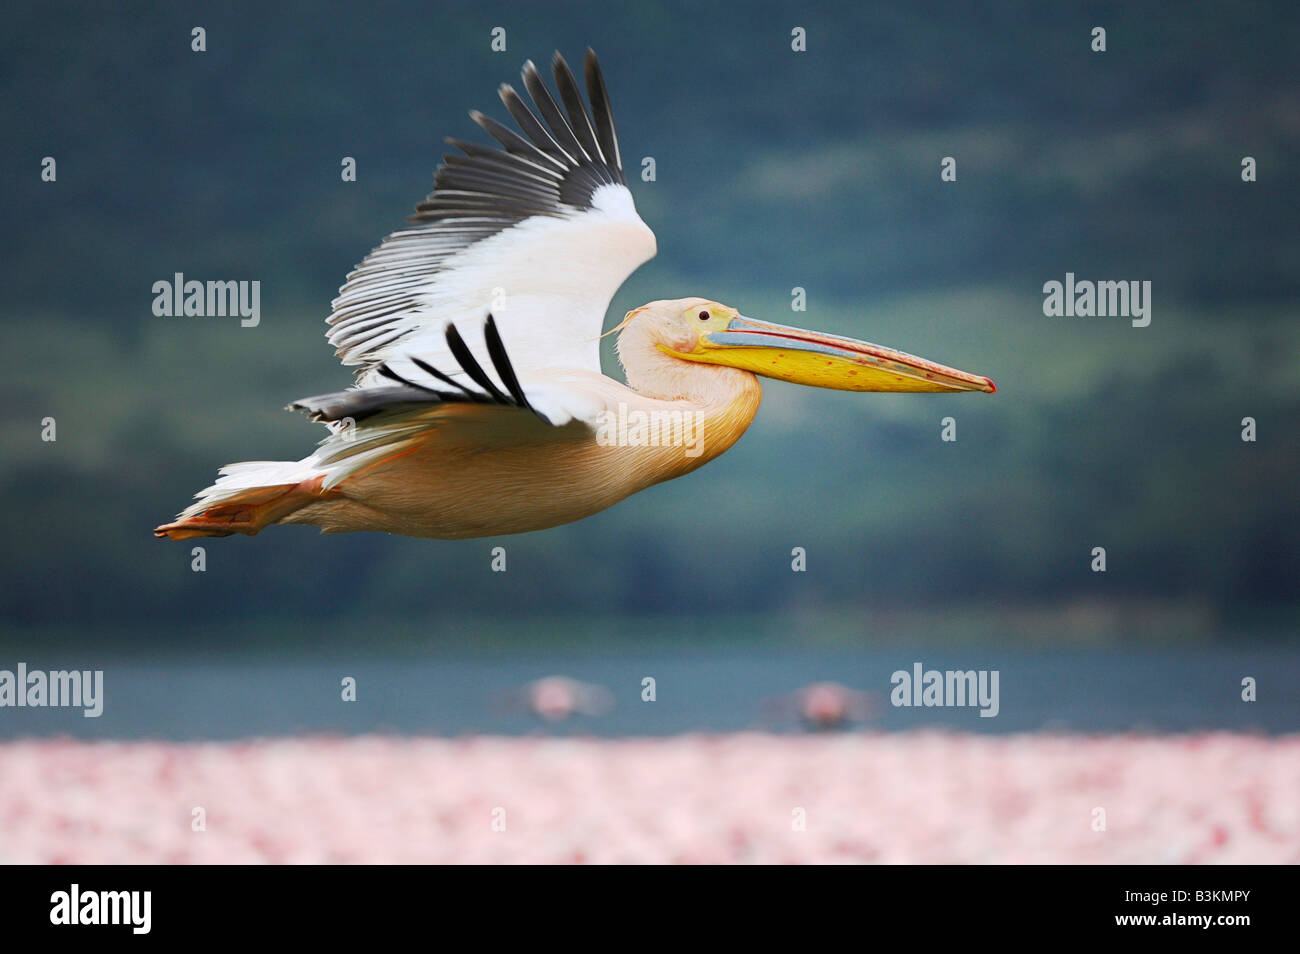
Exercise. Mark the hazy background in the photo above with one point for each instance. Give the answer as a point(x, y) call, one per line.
point(774, 169)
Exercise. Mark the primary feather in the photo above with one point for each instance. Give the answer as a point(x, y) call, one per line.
point(540, 233)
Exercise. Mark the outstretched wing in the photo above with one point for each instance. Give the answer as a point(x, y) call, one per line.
point(540, 233)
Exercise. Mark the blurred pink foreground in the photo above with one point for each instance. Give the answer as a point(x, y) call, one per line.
point(915, 797)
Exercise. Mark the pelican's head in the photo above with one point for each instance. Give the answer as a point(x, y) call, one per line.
point(708, 332)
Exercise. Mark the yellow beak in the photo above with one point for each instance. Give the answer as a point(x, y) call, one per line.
point(826, 361)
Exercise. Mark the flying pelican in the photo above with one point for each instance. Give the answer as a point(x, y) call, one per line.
point(823, 706)
point(556, 698)
point(479, 406)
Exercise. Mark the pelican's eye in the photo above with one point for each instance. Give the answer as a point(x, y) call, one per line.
point(705, 316)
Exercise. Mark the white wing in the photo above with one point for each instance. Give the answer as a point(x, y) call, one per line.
point(539, 233)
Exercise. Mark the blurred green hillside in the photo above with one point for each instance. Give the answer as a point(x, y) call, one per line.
point(775, 170)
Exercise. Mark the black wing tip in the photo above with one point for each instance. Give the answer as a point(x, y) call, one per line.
point(469, 364)
point(603, 114)
point(560, 68)
point(504, 367)
point(595, 76)
point(361, 403)
point(554, 156)
point(392, 375)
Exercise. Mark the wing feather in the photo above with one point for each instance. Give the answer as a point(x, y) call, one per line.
point(563, 134)
point(579, 120)
point(539, 230)
point(600, 108)
point(359, 404)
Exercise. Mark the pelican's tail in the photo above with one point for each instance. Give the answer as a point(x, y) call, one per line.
point(247, 497)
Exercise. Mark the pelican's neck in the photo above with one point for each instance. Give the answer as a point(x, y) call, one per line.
point(656, 374)
point(725, 399)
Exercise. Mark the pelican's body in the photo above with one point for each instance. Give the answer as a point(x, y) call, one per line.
point(468, 477)
point(515, 428)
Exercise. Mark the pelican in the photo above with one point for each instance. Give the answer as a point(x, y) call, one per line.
point(556, 698)
point(479, 407)
point(823, 706)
